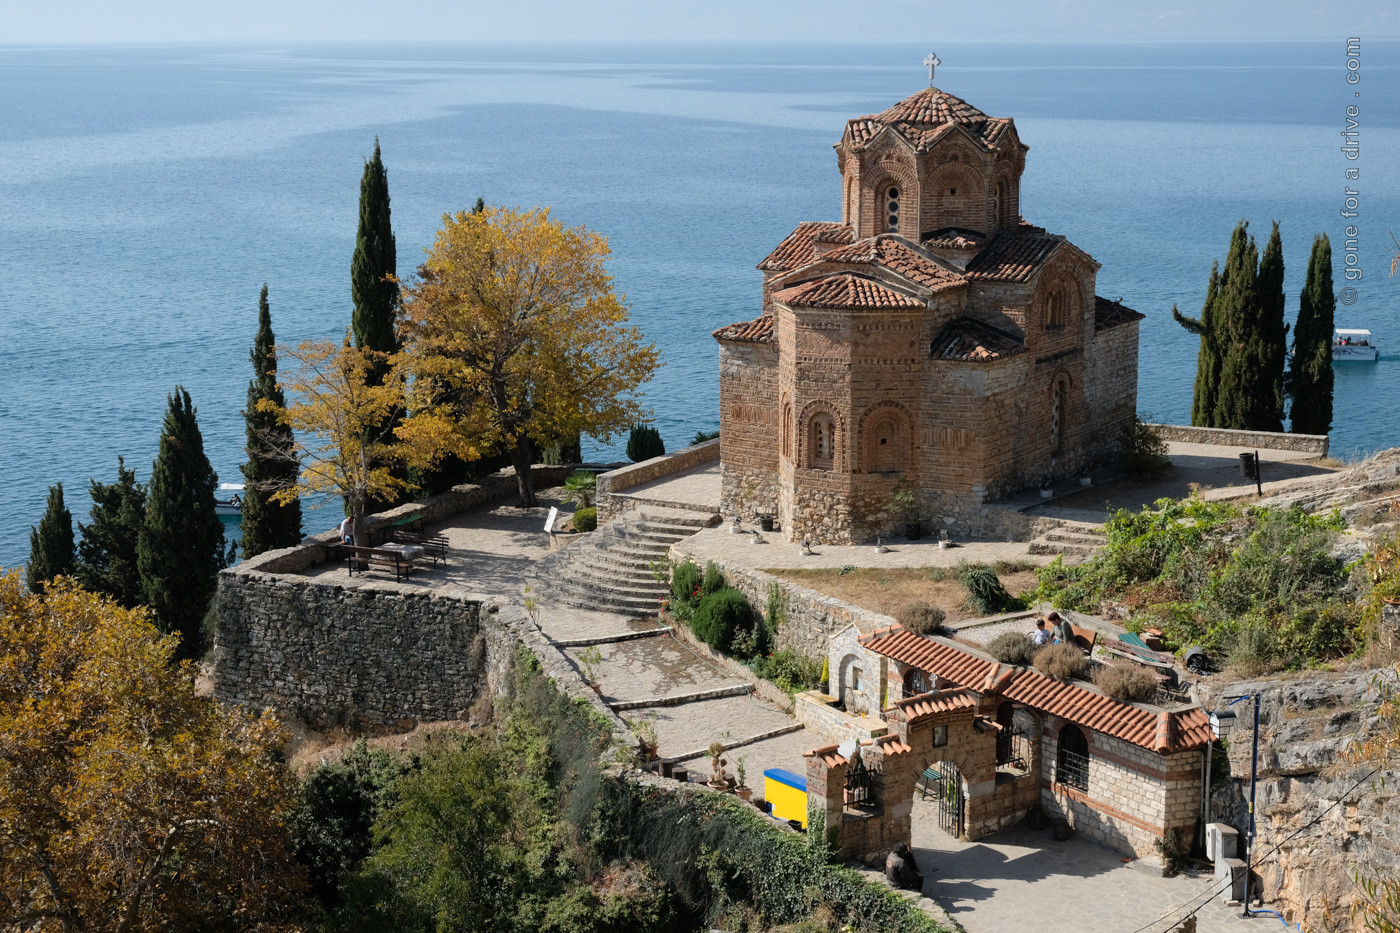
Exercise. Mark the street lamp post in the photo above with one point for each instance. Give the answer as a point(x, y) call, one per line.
point(1253, 788)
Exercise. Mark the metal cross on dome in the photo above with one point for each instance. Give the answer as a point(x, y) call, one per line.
point(932, 61)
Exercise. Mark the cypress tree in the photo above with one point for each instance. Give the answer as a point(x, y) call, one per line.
point(51, 543)
point(1310, 377)
point(267, 525)
point(107, 547)
point(1272, 334)
point(1208, 357)
point(374, 292)
point(1237, 317)
point(182, 539)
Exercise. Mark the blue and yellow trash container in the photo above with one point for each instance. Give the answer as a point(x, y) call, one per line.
point(787, 793)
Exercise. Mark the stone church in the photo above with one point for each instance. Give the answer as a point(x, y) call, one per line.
point(931, 340)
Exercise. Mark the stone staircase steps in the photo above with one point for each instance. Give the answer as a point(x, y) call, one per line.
point(1068, 538)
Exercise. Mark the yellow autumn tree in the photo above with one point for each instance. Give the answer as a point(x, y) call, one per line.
point(343, 423)
point(127, 802)
point(516, 340)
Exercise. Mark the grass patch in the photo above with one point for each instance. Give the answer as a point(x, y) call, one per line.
point(886, 589)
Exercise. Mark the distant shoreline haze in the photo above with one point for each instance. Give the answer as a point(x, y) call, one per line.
point(151, 189)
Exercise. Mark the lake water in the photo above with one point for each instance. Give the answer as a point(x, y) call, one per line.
point(148, 192)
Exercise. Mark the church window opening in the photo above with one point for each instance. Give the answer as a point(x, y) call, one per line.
point(915, 683)
point(787, 430)
point(892, 210)
point(1055, 310)
point(999, 206)
point(822, 442)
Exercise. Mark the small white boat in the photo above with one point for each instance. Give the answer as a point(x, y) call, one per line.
point(1354, 346)
point(229, 499)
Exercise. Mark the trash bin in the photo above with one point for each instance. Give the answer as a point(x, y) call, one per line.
point(1249, 467)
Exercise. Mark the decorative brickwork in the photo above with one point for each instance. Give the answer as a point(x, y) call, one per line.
point(931, 338)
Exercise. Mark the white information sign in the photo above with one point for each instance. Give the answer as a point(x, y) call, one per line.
point(553, 516)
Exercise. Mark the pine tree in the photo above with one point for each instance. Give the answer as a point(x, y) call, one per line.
point(182, 539)
point(51, 543)
point(107, 547)
point(267, 524)
point(1208, 357)
point(1310, 378)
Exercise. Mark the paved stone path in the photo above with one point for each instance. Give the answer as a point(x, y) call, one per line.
point(722, 545)
point(697, 486)
point(1019, 880)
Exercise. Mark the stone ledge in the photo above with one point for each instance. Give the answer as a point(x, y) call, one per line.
point(629, 477)
point(717, 693)
point(1228, 437)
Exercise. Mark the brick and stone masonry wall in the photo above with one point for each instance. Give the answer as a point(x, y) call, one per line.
point(1134, 794)
point(748, 429)
point(1224, 437)
point(616, 482)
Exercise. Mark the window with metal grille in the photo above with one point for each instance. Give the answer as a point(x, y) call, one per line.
point(1072, 758)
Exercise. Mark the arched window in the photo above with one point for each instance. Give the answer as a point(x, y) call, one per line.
point(891, 204)
point(786, 429)
point(1072, 758)
point(1055, 311)
point(1059, 402)
point(915, 683)
point(886, 443)
point(821, 442)
point(999, 211)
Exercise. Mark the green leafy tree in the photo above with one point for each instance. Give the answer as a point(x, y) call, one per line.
point(51, 543)
point(1310, 377)
point(268, 523)
point(107, 547)
point(182, 540)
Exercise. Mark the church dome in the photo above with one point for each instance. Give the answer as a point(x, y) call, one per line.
point(925, 117)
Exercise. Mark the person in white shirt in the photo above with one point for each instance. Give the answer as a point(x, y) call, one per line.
point(1041, 635)
point(347, 533)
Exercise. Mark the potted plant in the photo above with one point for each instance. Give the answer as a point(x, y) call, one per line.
point(765, 521)
point(742, 789)
point(645, 728)
point(589, 659)
point(717, 763)
point(904, 501)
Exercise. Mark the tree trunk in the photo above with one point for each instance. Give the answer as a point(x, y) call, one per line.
point(520, 456)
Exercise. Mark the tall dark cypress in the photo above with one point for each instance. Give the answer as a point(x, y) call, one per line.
point(375, 294)
point(182, 540)
point(1208, 356)
point(107, 547)
point(51, 543)
point(1273, 335)
point(1238, 313)
point(267, 525)
point(1310, 377)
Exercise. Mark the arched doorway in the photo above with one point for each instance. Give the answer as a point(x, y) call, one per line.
point(943, 785)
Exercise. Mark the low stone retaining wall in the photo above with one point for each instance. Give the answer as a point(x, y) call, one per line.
point(817, 711)
point(1225, 437)
point(769, 691)
point(618, 481)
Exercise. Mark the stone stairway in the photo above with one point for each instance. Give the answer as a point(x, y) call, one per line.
point(1074, 540)
point(612, 569)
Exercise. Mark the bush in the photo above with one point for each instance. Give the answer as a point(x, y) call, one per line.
point(585, 519)
point(791, 671)
point(1012, 648)
point(581, 488)
point(919, 617)
point(985, 592)
point(1062, 661)
point(713, 581)
point(720, 616)
point(1126, 682)
point(644, 443)
point(1142, 452)
point(703, 436)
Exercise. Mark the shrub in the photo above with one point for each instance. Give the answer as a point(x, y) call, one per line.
point(685, 589)
point(1012, 648)
point(1126, 682)
point(581, 487)
point(919, 617)
point(1062, 661)
point(703, 436)
point(585, 519)
point(644, 443)
point(713, 581)
point(985, 592)
point(720, 616)
point(790, 670)
point(1142, 452)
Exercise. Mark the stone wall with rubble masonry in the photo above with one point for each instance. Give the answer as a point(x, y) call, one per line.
point(748, 430)
point(1225, 437)
point(1134, 794)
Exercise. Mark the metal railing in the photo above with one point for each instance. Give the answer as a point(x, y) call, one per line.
point(1072, 768)
point(1014, 750)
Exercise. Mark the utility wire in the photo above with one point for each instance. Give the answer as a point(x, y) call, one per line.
point(1210, 894)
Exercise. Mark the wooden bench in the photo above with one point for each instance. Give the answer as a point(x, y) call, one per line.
point(1084, 638)
point(434, 546)
point(363, 558)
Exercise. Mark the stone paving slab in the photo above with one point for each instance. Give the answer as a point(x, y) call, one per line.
point(721, 545)
point(682, 729)
point(652, 668)
point(699, 485)
point(1020, 880)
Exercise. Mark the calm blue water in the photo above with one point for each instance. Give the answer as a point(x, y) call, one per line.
point(148, 192)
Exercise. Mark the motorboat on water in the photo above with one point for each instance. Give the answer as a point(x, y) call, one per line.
point(1354, 346)
point(229, 499)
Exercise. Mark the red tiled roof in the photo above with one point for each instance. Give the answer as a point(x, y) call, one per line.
point(759, 330)
point(936, 701)
point(925, 118)
point(1113, 313)
point(891, 746)
point(972, 341)
point(1162, 731)
point(954, 238)
point(828, 754)
point(898, 256)
point(1013, 255)
point(845, 290)
point(799, 248)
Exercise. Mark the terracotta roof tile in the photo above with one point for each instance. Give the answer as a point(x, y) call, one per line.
point(935, 702)
point(1113, 313)
point(955, 238)
point(828, 754)
point(845, 290)
point(898, 256)
point(759, 330)
point(1160, 730)
point(1013, 255)
point(926, 117)
point(799, 247)
point(892, 746)
point(972, 341)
